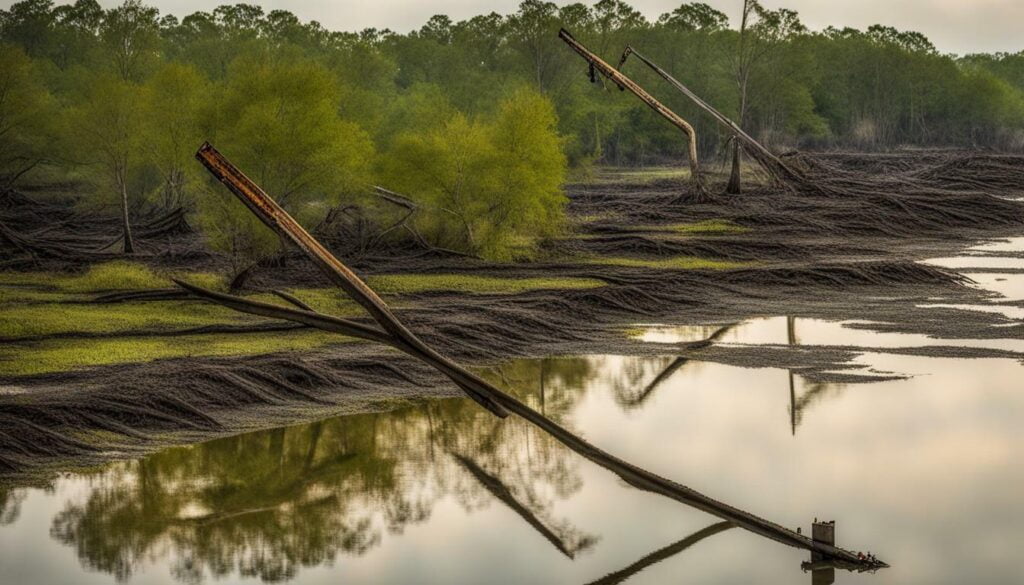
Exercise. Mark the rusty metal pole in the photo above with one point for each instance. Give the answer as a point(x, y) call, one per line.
point(393, 333)
point(626, 83)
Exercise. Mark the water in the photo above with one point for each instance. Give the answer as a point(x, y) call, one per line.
point(925, 472)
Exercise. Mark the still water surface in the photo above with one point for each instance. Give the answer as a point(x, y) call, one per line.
point(924, 472)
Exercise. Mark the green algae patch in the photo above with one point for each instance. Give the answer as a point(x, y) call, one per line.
point(471, 284)
point(673, 263)
point(61, 355)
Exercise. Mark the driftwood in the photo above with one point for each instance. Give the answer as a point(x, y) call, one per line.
point(395, 334)
point(772, 164)
point(597, 64)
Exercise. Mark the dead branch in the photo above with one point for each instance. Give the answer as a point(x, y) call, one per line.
point(596, 63)
point(412, 208)
point(396, 334)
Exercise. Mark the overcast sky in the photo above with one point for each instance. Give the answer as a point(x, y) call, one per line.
point(955, 26)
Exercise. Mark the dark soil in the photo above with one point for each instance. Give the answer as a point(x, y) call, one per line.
point(844, 250)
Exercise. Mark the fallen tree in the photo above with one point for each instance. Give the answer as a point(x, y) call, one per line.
point(773, 165)
point(392, 332)
point(624, 83)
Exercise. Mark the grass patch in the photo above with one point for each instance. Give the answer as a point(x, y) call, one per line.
point(673, 263)
point(709, 226)
point(642, 175)
point(40, 319)
point(470, 284)
point(61, 355)
point(31, 307)
point(37, 319)
point(117, 275)
point(109, 276)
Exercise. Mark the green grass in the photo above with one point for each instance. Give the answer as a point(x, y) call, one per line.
point(39, 319)
point(111, 276)
point(35, 305)
point(641, 175)
point(674, 263)
point(465, 283)
point(709, 226)
point(61, 355)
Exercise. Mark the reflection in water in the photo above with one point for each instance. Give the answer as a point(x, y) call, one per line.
point(563, 536)
point(446, 493)
point(10, 505)
point(812, 391)
point(630, 399)
point(265, 504)
point(662, 554)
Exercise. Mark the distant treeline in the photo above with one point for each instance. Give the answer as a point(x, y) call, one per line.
point(314, 112)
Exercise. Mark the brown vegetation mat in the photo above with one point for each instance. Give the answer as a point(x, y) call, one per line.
point(792, 253)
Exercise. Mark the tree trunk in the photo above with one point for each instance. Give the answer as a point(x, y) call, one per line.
point(129, 247)
point(735, 186)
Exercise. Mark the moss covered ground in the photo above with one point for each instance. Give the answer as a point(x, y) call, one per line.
point(48, 324)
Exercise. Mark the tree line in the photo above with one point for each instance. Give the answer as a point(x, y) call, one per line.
point(477, 120)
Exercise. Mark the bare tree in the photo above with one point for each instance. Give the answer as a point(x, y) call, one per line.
point(762, 32)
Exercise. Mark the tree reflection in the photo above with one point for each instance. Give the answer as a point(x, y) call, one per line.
point(812, 391)
point(267, 504)
point(10, 504)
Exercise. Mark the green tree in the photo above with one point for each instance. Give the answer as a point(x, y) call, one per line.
point(131, 36)
point(762, 33)
point(76, 31)
point(29, 24)
point(492, 187)
point(175, 124)
point(104, 132)
point(27, 112)
point(280, 123)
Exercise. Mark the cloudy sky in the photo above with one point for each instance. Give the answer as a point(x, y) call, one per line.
point(955, 26)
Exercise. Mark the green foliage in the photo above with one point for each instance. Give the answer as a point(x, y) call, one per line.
point(130, 36)
point(103, 135)
point(176, 120)
point(491, 186)
point(231, 229)
point(281, 124)
point(304, 110)
point(27, 112)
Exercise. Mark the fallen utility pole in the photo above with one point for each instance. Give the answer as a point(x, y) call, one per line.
point(772, 164)
point(503, 494)
point(395, 334)
point(662, 554)
point(597, 64)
